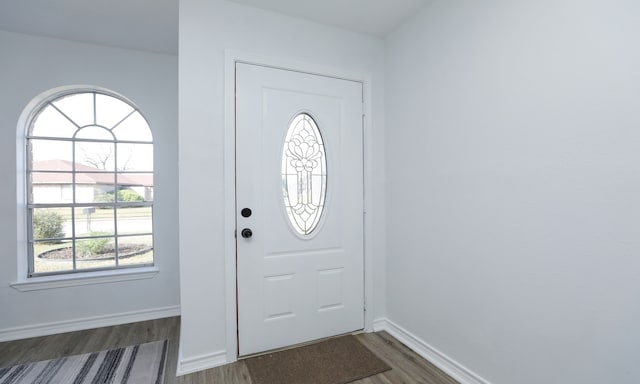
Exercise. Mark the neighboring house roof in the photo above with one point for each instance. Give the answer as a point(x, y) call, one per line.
point(84, 175)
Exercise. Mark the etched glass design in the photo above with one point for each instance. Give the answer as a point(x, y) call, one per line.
point(304, 174)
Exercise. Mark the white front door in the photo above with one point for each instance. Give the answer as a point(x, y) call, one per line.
point(299, 207)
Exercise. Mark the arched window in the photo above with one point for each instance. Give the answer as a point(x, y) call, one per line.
point(89, 173)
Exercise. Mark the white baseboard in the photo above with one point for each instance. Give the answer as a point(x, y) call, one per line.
point(437, 358)
point(380, 324)
point(200, 363)
point(38, 330)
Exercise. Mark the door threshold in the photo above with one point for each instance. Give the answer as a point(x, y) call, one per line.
point(275, 350)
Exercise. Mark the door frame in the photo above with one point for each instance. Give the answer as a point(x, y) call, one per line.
point(231, 58)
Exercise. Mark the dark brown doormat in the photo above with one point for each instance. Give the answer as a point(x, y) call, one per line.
point(336, 361)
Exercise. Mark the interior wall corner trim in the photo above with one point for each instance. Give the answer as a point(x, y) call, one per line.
point(451, 367)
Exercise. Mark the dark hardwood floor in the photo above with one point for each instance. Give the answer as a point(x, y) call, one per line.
point(407, 366)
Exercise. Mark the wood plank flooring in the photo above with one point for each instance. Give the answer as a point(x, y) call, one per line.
point(407, 366)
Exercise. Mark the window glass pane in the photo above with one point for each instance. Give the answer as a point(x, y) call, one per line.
point(53, 155)
point(87, 263)
point(140, 183)
point(134, 128)
point(110, 110)
point(78, 107)
point(94, 221)
point(51, 188)
point(304, 174)
point(93, 187)
point(51, 224)
point(52, 257)
point(95, 133)
point(96, 252)
point(51, 123)
point(134, 220)
point(99, 156)
point(134, 250)
point(135, 157)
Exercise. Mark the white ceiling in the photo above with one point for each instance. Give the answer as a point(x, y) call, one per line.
point(138, 24)
point(153, 24)
point(374, 17)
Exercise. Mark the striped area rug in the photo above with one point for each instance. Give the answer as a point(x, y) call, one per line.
point(136, 364)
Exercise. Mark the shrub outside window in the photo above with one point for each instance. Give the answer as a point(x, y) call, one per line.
point(89, 185)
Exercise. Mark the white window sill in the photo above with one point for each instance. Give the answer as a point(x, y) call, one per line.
point(88, 278)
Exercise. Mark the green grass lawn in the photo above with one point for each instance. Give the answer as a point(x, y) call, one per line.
point(45, 266)
point(135, 214)
point(105, 213)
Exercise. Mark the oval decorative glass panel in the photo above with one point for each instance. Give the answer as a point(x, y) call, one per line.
point(304, 174)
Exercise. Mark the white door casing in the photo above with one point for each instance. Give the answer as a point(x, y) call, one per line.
point(296, 288)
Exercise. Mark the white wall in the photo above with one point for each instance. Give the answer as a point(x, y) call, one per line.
point(207, 28)
point(513, 195)
point(30, 65)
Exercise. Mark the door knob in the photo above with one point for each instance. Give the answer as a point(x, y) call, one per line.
point(246, 212)
point(246, 233)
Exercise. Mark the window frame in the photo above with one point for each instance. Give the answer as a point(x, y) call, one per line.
point(28, 278)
